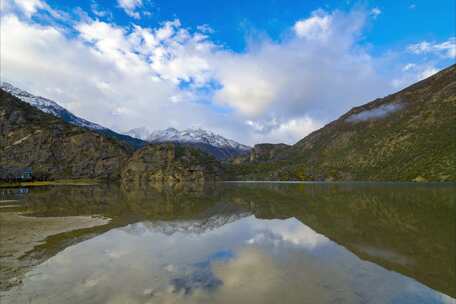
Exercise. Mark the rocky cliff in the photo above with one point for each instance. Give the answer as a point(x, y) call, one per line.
point(170, 163)
point(266, 152)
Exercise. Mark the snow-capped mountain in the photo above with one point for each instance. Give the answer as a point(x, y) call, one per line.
point(209, 142)
point(49, 106)
point(212, 143)
point(53, 108)
point(195, 136)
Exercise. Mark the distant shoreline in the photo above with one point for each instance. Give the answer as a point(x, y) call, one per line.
point(334, 182)
point(62, 182)
point(92, 182)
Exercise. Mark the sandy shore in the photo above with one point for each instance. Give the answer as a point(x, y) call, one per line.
point(19, 234)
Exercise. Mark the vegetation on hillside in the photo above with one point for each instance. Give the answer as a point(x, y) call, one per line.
point(407, 136)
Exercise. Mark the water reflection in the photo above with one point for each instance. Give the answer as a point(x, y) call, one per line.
point(247, 244)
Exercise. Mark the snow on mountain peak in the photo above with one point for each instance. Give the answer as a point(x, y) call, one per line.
point(186, 136)
point(202, 136)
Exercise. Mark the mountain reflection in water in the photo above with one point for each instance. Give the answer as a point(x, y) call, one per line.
point(245, 243)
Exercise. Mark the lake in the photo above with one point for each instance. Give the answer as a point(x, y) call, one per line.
point(229, 243)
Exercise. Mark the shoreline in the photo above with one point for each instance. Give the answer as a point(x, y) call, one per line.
point(61, 182)
point(93, 182)
point(20, 234)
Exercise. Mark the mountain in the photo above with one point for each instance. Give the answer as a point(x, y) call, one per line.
point(51, 107)
point(209, 142)
point(53, 148)
point(406, 136)
point(195, 136)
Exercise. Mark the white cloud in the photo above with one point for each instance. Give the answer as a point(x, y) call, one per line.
point(287, 232)
point(130, 7)
point(30, 6)
point(413, 72)
point(427, 72)
point(409, 66)
point(285, 132)
point(105, 75)
point(446, 48)
point(375, 12)
point(286, 85)
point(133, 76)
point(316, 27)
point(95, 81)
point(274, 85)
point(97, 11)
point(375, 113)
point(205, 28)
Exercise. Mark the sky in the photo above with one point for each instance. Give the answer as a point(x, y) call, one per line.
point(252, 71)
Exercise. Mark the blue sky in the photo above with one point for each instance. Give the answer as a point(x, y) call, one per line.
point(234, 21)
point(253, 71)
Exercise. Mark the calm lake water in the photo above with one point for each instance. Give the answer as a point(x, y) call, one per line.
point(237, 243)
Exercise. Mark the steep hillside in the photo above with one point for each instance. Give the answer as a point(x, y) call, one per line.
point(409, 135)
point(52, 148)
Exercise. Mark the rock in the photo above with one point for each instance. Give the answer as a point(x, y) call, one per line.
point(170, 163)
point(265, 152)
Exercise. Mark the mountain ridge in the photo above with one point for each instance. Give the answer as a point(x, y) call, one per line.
point(50, 148)
point(405, 136)
point(206, 141)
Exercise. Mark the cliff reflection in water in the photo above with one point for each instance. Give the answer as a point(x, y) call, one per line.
point(243, 229)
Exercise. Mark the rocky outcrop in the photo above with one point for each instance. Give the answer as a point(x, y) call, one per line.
point(170, 163)
point(261, 153)
point(265, 152)
point(52, 148)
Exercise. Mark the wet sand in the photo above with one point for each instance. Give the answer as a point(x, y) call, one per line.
point(20, 234)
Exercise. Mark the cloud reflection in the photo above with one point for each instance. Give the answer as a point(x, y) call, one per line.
point(246, 260)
